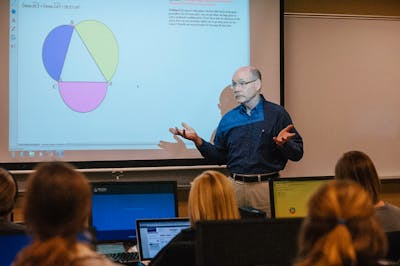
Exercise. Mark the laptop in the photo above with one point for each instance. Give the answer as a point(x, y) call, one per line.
point(11, 242)
point(289, 196)
point(117, 205)
point(154, 234)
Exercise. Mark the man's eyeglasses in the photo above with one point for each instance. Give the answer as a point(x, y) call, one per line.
point(241, 83)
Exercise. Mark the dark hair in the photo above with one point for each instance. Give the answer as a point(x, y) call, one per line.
point(8, 192)
point(340, 228)
point(357, 166)
point(57, 206)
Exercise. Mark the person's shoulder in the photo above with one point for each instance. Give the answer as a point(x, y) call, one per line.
point(391, 206)
point(273, 106)
point(276, 110)
point(379, 262)
point(388, 215)
point(179, 251)
point(386, 262)
point(230, 118)
point(6, 226)
point(388, 207)
point(233, 112)
point(187, 234)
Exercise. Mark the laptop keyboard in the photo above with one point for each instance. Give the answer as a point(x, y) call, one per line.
point(124, 257)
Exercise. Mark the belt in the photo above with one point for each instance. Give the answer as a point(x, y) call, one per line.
point(254, 178)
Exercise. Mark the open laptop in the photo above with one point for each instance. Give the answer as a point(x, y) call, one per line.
point(154, 234)
point(289, 196)
point(117, 205)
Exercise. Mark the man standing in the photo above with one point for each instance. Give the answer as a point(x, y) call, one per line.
point(255, 140)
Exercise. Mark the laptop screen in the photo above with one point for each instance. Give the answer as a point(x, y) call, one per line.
point(289, 196)
point(154, 234)
point(117, 205)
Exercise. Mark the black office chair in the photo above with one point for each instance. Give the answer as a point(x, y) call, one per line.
point(244, 242)
point(180, 253)
point(394, 245)
point(250, 212)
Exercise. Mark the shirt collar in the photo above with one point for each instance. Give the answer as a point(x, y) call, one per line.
point(255, 109)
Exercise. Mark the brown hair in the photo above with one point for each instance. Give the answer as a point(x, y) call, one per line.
point(340, 228)
point(212, 198)
point(8, 192)
point(357, 166)
point(57, 206)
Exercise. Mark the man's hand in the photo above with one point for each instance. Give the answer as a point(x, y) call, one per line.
point(284, 136)
point(187, 132)
point(178, 146)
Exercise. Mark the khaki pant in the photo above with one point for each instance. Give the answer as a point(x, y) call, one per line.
point(254, 194)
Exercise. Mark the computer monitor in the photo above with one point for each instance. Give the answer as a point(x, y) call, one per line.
point(289, 196)
point(117, 205)
point(11, 242)
point(247, 242)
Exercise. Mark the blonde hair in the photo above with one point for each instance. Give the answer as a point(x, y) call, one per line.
point(57, 206)
point(340, 228)
point(212, 198)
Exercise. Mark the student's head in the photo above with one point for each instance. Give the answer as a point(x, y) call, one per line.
point(340, 228)
point(8, 192)
point(57, 205)
point(212, 198)
point(57, 202)
point(246, 84)
point(357, 166)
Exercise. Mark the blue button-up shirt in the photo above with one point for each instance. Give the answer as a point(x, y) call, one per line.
point(245, 142)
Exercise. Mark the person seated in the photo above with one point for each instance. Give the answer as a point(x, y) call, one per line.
point(357, 166)
point(8, 198)
point(211, 197)
point(56, 210)
point(340, 228)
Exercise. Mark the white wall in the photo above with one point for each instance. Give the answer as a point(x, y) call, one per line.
point(342, 89)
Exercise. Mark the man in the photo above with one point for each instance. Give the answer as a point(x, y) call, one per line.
point(255, 140)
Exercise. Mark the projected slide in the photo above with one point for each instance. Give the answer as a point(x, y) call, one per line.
point(94, 80)
point(96, 40)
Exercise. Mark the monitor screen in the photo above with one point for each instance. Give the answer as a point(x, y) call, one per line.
point(103, 81)
point(247, 242)
point(289, 196)
point(117, 205)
